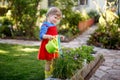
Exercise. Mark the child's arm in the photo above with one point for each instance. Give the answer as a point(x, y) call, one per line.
point(43, 34)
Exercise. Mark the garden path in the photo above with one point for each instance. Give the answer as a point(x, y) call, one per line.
point(109, 70)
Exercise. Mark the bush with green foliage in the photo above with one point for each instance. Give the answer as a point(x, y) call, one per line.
point(3, 11)
point(24, 16)
point(107, 36)
point(6, 27)
point(36, 32)
point(5, 31)
point(94, 14)
point(43, 12)
point(71, 24)
point(71, 60)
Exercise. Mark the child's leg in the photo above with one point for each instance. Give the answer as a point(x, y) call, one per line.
point(47, 65)
point(48, 68)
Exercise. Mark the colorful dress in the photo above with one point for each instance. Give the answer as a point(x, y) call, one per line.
point(49, 29)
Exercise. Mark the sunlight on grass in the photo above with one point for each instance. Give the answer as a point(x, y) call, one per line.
point(3, 52)
point(29, 49)
point(20, 54)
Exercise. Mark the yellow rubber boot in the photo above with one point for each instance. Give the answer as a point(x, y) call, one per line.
point(51, 69)
point(47, 74)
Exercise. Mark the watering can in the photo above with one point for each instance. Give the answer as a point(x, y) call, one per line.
point(52, 45)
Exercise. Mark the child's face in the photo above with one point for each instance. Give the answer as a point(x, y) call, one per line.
point(54, 19)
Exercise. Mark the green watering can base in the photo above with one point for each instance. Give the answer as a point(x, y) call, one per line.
point(52, 45)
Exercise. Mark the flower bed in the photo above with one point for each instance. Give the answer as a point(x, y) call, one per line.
point(76, 64)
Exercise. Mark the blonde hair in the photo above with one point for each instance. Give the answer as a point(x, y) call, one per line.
point(54, 11)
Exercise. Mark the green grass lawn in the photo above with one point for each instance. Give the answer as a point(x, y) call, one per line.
point(20, 63)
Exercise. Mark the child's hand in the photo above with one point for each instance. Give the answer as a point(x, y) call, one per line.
point(62, 37)
point(52, 37)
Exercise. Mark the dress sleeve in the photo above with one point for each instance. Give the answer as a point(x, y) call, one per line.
point(43, 31)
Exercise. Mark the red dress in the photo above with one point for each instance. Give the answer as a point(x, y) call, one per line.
point(43, 54)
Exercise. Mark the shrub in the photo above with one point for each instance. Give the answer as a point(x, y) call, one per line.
point(5, 30)
point(108, 33)
point(6, 27)
point(106, 37)
point(24, 16)
point(43, 11)
point(36, 33)
point(6, 21)
point(3, 11)
point(94, 14)
point(71, 25)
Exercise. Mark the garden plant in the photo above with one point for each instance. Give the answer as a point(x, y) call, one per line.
point(108, 33)
point(71, 61)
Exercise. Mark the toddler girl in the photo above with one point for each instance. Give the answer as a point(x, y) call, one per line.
point(49, 31)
